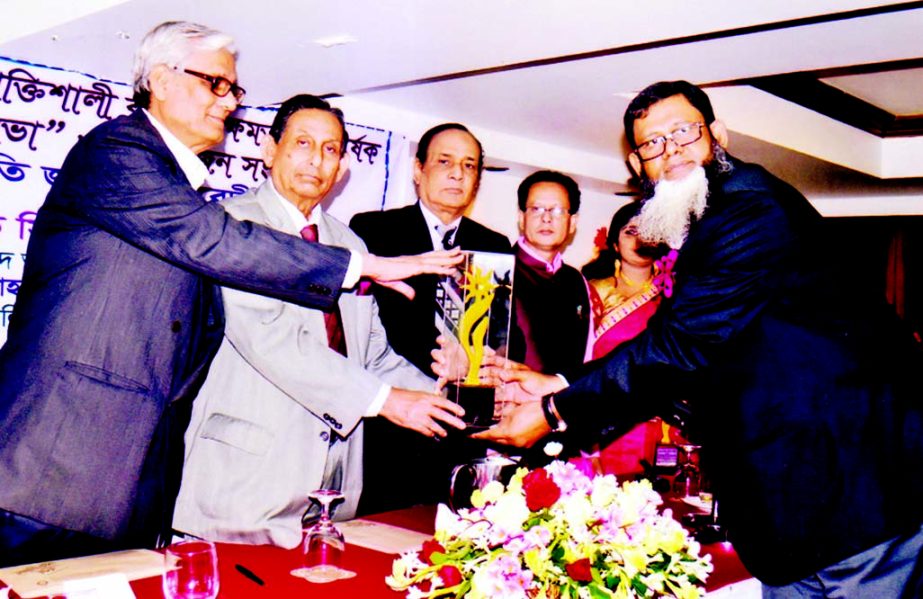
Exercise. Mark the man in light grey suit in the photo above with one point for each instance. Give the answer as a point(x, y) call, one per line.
point(280, 413)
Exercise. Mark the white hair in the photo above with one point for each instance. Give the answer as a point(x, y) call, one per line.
point(171, 43)
point(665, 216)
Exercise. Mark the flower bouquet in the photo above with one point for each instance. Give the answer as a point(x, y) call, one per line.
point(556, 532)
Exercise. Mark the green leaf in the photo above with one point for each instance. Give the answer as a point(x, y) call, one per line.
point(639, 587)
point(437, 557)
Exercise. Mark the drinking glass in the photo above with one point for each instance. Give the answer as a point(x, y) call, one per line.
point(688, 482)
point(324, 543)
point(191, 570)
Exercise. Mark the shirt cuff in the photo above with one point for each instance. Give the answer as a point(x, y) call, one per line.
point(354, 271)
point(379, 400)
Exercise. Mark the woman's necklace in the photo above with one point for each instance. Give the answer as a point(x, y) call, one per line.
point(631, 288)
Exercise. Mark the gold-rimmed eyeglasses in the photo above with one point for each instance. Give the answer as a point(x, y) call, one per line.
point(541, 211)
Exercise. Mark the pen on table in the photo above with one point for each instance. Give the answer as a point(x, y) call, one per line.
point(249, 574)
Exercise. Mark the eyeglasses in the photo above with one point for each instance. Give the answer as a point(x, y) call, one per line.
point(540, 211)
point(219, 85)
point(681, 136)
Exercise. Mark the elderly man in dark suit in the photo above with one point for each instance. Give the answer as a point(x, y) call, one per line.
point(447, 173)
point(119, 315)
point(803, 384)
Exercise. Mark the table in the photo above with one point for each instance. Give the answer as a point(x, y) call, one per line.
point(273, 565)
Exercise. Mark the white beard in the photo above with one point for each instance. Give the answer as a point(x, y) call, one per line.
point(666, 215)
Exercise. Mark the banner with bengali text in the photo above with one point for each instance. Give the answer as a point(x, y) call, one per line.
point(45, 110)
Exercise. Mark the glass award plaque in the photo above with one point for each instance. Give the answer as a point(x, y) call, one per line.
point(473, 315)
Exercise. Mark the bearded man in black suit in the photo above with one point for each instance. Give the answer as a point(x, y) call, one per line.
point(447, 173)
point(803, 385)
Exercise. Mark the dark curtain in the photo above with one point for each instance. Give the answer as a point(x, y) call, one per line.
point(885, 252)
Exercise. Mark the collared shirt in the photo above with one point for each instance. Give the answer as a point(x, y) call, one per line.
point(551, 267)
point(301, 221)
point(436, 227)
point(196, 173)
point(191, 165)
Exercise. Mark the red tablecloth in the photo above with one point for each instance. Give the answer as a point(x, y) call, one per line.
point(273, 565)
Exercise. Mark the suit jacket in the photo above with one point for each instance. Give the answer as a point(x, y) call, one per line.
point(115, 324)
point(279, 407)
point(800, 383)
point(401, 231)
point(411, 326)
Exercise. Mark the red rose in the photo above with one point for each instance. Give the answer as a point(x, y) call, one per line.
point(429, 548)
point(580, 570)
point(541, 491)
point(450, 576)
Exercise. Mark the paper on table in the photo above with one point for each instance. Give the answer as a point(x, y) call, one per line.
point(381, 537)
point(698, 503)
point(47, 578)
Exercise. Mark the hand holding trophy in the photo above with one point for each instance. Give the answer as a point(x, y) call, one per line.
point(473, 315)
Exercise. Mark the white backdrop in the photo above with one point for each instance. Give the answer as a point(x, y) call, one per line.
point(45, 110)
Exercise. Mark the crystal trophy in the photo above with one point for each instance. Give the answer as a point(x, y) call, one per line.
point(473, 315)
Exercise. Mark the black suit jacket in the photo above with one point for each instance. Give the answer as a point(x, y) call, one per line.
point(801, 387)
point(411, 323)
point(402, 467)
point(116, 322)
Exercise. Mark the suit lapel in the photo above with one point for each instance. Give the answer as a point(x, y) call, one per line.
point(418, 237)
point(273, 211)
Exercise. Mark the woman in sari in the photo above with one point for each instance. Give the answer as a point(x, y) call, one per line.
point(627, 281)
point(622, 290)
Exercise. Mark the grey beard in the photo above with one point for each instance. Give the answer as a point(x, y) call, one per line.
point(666, 215)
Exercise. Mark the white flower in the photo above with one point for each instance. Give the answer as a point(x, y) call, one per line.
point(553, 449)
point(617, 527)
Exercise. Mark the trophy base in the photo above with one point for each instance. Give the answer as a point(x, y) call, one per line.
point(478, 403)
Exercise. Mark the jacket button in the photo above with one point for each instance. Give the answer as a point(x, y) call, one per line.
point(325, 436)
point(176, 327)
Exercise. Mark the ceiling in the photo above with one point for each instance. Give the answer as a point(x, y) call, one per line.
point(544, 82)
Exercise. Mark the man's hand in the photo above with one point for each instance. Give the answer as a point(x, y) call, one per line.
point(422, 412)
point(450, 362)
point(531, 382)
point(493, 365)
point(521, 426)
point(389, 272)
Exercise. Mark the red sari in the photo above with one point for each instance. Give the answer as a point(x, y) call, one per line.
point(618, 320)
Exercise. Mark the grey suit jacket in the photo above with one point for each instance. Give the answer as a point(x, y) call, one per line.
point(279, 408)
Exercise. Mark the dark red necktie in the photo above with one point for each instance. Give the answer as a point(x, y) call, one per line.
point(335, 338)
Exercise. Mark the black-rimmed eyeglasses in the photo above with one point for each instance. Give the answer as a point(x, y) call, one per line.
point(681, 136)
point(219, 85)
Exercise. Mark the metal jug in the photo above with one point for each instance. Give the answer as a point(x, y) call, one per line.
point(476, 475)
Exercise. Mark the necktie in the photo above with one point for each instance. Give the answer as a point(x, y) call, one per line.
point(447, 237)
point(334, 322)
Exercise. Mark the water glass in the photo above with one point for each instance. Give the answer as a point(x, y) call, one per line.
point(191, 570)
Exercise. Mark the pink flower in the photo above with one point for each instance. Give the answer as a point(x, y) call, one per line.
point(663, 279)
point(450, 575)
point(541, 491)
